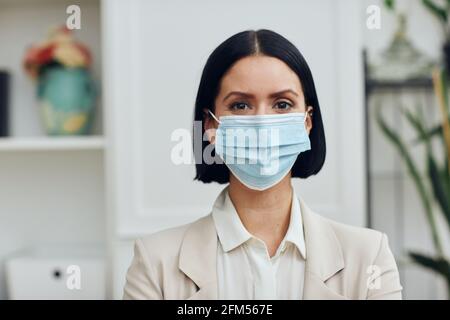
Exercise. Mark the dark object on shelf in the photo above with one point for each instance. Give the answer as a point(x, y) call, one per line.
point(4, 103)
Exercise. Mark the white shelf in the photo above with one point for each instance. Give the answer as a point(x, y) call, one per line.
point(48, 143)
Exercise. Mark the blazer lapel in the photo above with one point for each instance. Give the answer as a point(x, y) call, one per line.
point(324, 256)
point(198, 257)
point(316, 289)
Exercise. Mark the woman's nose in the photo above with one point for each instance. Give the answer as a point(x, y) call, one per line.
point(261, 109)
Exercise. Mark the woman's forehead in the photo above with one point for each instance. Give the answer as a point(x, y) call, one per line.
point(262, 74)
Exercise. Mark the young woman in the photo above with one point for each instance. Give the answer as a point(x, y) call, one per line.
point(261, 119)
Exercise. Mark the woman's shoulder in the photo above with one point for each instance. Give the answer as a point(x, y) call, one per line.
point(358, 241)
point(352, 240)
point(167, 242)
point(362, 256)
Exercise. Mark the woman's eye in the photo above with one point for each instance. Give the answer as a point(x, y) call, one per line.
point(239, 106)
point(283, 105)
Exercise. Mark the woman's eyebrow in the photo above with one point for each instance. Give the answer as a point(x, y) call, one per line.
point(238, 93)
point(279, 93)
point(249, 95)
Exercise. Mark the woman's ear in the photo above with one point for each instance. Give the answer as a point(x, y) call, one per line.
point(309, 115)
point(209, 126)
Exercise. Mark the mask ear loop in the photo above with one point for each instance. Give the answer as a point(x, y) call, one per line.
point(212, 114)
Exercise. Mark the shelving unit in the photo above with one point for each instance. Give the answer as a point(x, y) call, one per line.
point(52, 188)
point(51, 143)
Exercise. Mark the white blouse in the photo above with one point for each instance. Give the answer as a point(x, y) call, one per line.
point(244, 267)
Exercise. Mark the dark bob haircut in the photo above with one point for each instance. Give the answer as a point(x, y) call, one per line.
point(241, 45)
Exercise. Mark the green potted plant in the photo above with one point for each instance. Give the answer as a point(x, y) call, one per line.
point(65, 88)
point(433, 187)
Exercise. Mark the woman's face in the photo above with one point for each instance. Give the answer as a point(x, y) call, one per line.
point(258, 85)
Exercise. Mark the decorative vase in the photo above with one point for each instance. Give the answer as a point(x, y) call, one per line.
point(66, 100)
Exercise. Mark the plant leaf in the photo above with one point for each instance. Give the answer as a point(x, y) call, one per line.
point(438, 182)
point(439, 265)
point(444, 80)
point(438, 11)
point(430, 133)
point(390, 4)
point(417, 124)
point(439, 186)
point(440, 83)
point(446, 174)
point(395, 139)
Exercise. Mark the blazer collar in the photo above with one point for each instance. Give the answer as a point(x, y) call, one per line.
point(198, 256)
point(325, 259)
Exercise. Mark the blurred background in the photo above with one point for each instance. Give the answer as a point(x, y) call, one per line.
point(92, 91)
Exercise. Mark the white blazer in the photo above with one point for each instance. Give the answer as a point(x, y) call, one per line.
point(344, 262)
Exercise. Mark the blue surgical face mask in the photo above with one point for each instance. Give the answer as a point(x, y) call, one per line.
point(260, 150)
